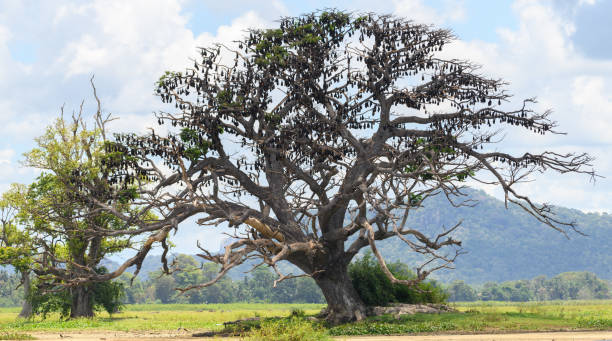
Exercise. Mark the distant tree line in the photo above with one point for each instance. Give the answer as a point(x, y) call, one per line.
point(9, 297)
point(257, 286)
point(565, 286)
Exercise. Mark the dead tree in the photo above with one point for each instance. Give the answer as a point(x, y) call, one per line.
point(316, 139)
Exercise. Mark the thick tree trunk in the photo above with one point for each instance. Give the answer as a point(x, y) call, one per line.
point(26, 308)
point(82, 305)
point(343, 302)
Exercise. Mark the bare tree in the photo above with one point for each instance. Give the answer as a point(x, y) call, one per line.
point(317, 139)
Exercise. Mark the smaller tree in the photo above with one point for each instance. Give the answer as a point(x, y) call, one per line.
point(16, 244)
point(106, 296)
point(72, 234)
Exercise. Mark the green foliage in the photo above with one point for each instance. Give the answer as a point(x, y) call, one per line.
point(196, 147)
point(106, 296)
point(57, 209)
point(565, 286)
point(45, 302)
point(11, 294)
point(273, 47)
point(290, 329)
point(375, 289)
point(168, 75)
point(460, 291)
point(595, 323)
point(390, 326)
point(15, 243)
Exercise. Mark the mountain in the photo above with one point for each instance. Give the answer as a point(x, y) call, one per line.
point(151, 263)
point(508, 244)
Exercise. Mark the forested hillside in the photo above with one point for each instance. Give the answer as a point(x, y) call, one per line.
point(504, 245)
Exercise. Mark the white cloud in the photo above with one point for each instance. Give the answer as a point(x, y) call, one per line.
point(6, 155)
point(593, 100)
point(418, 11)
point(130, 44)
point(538, 59)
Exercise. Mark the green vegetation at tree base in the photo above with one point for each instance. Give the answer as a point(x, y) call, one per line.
point(375, 289)
point(290, 329)
point(107, 296)
point(388, 326)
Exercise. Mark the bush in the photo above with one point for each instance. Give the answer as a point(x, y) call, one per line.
point(106, 295)
point(375, 289)
point(290, 329)
point(49, 300)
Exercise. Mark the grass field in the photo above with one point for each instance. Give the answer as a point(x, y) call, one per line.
point(155, 317)
point(473, 317)
point(493, 317)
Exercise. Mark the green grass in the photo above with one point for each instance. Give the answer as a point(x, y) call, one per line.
point(492, 317)
point(473, 317)
point(155, 317)
point(287, 329)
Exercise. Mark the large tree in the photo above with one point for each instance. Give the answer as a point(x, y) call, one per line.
point(314, 140)
point(60, 213)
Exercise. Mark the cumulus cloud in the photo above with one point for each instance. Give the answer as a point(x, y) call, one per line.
point(132, 43)
point(418, 11)
point(539, 59)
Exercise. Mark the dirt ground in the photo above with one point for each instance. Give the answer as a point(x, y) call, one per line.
point(186, 335)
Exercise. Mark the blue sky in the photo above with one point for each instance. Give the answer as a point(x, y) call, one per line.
point(558, 51)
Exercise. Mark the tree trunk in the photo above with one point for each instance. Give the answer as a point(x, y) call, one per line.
point(343, 302)
point(82, 305)
point(26, 308)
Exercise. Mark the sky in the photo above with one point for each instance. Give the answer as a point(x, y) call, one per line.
point(558, 51)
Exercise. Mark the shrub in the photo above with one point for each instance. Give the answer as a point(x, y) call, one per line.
point(106, 295)
point(375, 289)
point(290, 329)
